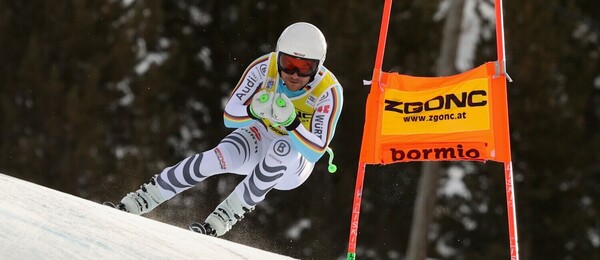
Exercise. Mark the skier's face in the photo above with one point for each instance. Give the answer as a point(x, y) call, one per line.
point(294, 82)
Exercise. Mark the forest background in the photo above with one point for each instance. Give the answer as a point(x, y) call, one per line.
point(98, 96)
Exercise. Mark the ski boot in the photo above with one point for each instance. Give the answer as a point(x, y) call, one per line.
point(142, 200)
point(222, 219)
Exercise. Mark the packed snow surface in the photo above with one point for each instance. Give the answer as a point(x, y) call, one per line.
point(41, 223)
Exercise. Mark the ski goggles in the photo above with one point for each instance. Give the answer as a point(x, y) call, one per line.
point(291, 64)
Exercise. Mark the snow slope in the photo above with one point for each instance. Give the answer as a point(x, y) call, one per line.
point(40, 223)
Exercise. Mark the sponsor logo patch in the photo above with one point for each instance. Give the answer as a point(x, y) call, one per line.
point(270, 83)
point(311, 100)
point(255, 132)
point(221, 159)
point(263, 69)
point(281, 148)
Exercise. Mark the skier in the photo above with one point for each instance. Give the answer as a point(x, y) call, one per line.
point(285, 109)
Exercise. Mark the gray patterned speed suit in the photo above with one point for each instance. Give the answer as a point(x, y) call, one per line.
point(250, 151)
point(271, 157)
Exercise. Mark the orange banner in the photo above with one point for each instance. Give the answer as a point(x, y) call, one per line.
point(460, 117)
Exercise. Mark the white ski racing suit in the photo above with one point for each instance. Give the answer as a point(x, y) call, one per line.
point(270, 156)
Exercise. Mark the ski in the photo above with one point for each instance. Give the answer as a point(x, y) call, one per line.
point(118, 206)
point(203, 228)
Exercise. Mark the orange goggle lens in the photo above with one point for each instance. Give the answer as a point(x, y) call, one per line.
point(290, 65)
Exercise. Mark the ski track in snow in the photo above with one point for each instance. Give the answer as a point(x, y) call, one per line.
point(41, 223)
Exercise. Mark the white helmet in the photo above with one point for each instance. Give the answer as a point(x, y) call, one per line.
point(303, 40)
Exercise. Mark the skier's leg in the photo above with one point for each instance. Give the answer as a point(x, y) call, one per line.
point(236, 153)
point(282, 167)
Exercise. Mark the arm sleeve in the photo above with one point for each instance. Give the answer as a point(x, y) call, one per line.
point(236, 110)
point(313, 142)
